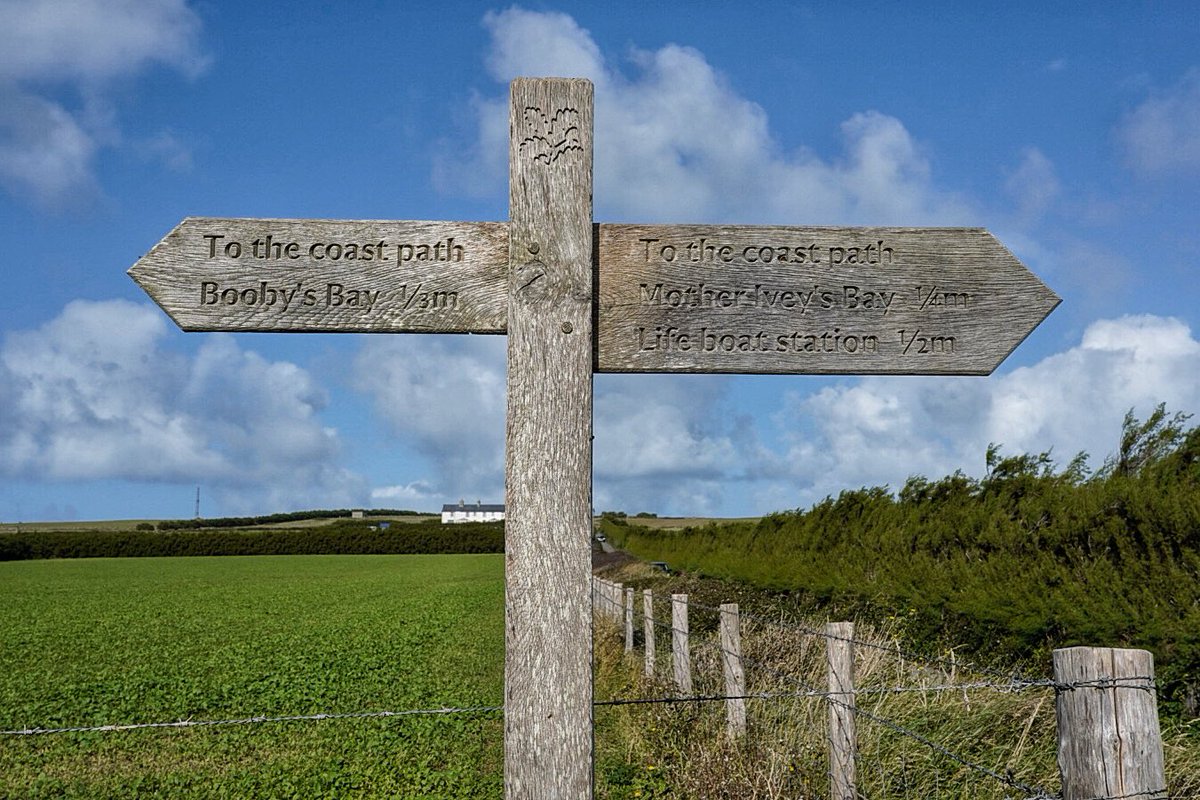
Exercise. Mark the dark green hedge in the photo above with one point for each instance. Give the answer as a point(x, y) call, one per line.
point(348, 537)
point(275, 519)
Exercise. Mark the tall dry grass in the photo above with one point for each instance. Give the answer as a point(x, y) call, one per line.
point(979, 742)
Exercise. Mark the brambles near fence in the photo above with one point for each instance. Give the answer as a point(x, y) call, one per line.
point(1029, 558)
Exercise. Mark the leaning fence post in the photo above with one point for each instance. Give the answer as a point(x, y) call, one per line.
point(628, 605)
point(680, 656)
point(735, 675)
point(648, 629)
point(843, 737)
point(1109, 744)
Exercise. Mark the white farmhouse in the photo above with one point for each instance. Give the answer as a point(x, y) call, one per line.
point(480, 512)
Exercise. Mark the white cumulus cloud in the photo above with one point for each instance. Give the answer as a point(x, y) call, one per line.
point(58, 61)
point(444, 396)
point(655, 442)
point(674, 141)
point(93, 394)
point(1163, 133)
point(881, 430)
point(1033, 185)
point(679, 444)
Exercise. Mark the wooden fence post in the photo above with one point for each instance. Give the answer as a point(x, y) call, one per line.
point(648, 629)
point(628, 605)
point(1109, 744)
point(843, 736)
point(680, 655)
point(735, 675)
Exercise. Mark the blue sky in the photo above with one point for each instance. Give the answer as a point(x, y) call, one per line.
point(1072, 131)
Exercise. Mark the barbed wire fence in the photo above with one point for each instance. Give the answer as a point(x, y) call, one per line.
point(785, 668)
point(255, 720)
point(783, 663)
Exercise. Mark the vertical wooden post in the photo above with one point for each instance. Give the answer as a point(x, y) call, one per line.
point(648, 629)
point(843, 736)
point(681, 660)
point(1109, 744)
point(628, 604)
point(735, 675)
point(548, 471)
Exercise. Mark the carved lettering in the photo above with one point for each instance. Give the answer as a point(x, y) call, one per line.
point(669, 338)
point(712, 339)
point(269, 247)
point(703, 250)
point(422, 299)
point(921, 343)
point(281, 298)
point(848, 297)
point(933, 297)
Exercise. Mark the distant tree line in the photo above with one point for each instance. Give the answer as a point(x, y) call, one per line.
point(276, 519)
point(348, 537)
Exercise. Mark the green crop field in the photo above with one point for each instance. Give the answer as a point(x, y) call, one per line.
point(119, 641)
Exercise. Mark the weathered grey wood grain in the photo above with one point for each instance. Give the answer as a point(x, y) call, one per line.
point(681, 656)
point(548, 471)
point(648, 629)
point(330, 275)
point(628, 604)
point(733, 669)
point(756, 299)
point(1109, 743)
point(843, 735)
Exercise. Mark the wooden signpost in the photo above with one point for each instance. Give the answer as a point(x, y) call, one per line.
point(335, 276)
point(755, 299)
point(661, 298)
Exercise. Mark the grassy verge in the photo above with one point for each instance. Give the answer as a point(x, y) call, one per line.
point(93, 642)
point(683, 751)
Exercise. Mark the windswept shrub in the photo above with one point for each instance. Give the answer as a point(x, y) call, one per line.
point(1026, 559)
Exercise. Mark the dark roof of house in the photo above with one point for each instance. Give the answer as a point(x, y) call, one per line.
point(473, 507)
